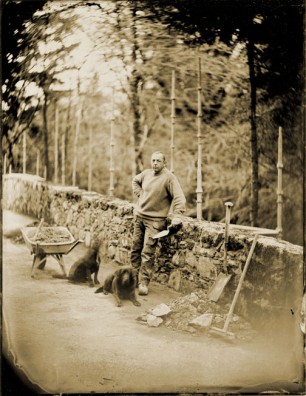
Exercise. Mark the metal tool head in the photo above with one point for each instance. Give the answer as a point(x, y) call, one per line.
point(161, 234)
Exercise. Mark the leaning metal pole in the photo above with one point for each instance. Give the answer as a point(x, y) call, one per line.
point(172, 122)
point(111, 154)
point(199, 189)
point(279, 227)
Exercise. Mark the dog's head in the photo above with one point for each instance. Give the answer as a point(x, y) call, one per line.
point(127, 276)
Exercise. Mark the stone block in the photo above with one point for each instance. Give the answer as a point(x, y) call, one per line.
point(80, 222)
point(116, 220)
point(179, 258)
point(125, 242)
point(175, 280)
point(88, 217)
point(191, 259)
point(82, 235)
point(206, 268)
point(74, 231)
point(111, 251)
point(162, 278)
point(196, 249)
point(122, 256)
point(69, 217)
point(87, 239)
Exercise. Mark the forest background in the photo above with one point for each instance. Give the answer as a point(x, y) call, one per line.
point(91, 88)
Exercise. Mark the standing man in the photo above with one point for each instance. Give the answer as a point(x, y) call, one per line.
point(157, 189)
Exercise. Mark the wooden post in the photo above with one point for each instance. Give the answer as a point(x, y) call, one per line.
point(24, 147)
point(4, 164)
point(37, 163)
point(279, 227)
point(112, 144)
point(45, 172)
point(63, 160)
point(172, 122)
point(56, 145)
point(10, 168)
point(90, 158)
point(199, 189)
point(75, 147)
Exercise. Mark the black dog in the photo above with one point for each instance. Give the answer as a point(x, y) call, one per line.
point(82, 270)
point(122, 284)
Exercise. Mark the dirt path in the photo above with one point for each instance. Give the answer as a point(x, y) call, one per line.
point(67, 339)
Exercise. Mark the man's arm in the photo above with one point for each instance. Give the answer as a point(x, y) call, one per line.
point(137, 184)
point(178, 197)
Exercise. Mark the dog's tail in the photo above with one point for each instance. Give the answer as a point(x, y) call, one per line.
point(100, 290)
point(58, 276)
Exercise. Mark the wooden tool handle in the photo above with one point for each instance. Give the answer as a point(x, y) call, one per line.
point(230, 313)
point(38, 228)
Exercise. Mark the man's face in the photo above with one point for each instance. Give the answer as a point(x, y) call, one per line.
point(157, 162)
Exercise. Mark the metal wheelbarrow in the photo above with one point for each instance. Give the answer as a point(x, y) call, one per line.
point(48, 241)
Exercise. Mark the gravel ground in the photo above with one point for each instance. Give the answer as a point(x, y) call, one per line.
point(64, 338)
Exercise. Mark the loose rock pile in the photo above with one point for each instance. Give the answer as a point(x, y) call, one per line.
point(196, 314)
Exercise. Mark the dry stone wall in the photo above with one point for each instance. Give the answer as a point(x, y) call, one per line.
point(191, 258)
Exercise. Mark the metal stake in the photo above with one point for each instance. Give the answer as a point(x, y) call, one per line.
point(228, 206)
point(112, 144)
point(279, 227)
point(172, 122)
point(199, 189)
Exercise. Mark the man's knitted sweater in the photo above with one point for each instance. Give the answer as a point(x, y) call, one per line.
point(156, 192)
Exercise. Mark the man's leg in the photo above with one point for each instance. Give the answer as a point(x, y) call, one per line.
point(148, 251)
point(137, 244)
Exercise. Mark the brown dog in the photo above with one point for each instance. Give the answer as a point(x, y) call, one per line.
point(82, 270)
point(122, 284)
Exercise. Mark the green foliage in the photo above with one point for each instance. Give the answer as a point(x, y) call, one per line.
point(142, 52)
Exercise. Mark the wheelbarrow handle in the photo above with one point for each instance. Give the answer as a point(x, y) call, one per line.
point(75, 243)
point(38, 228)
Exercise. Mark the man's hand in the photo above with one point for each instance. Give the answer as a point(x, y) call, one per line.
point(175, 222)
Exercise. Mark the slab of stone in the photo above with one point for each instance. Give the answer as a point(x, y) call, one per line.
point(204, 320)
point(161, 310)
point(154, 321)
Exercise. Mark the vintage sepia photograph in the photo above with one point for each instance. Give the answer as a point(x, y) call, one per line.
point(153, 197)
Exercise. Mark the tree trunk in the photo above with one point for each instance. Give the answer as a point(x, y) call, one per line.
point(253, 135)
point(135, 103)
point(46, 140)
point(135, 107)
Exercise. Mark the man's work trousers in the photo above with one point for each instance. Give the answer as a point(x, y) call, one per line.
point(144, 246)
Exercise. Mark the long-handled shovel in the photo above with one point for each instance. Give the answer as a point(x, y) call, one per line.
point(229, 316)
point(223, 278)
